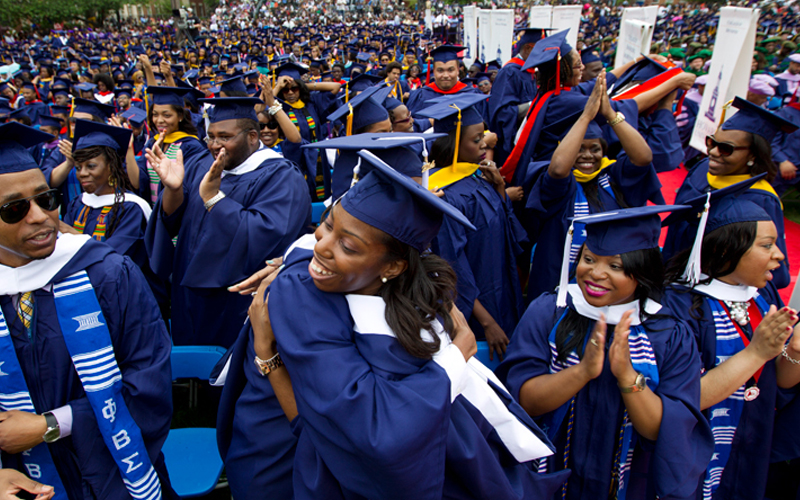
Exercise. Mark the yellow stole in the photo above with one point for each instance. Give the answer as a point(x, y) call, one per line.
point(452, 174)
point(583, 178)
point(721, 181)
point(174, 137)
point(297, 104)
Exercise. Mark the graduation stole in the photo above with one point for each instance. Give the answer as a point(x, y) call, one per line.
point(456, 88)
point(174, 137)
point(510, 166)
point(643, 359)
point(99, 232)
point(519, 62)
point(88, 341)
point(724, 416)
point(301, 106)
point(581, 206)
point(452, 174)
point(721, 181)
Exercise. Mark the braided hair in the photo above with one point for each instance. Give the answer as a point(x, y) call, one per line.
point(117, 178)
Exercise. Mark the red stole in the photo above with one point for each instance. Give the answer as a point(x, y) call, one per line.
point(456, 88)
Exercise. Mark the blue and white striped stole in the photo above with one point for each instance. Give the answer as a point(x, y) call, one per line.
point(580, 209)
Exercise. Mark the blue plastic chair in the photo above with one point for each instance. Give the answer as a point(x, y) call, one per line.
point(316, 212)
point(191, 453)
point(483, 355)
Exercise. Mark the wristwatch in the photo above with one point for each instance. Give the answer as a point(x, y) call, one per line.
point(273, 363)
point(53, 432)
point(637, 386)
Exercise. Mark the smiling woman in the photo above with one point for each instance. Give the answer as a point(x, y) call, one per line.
point(621, 401)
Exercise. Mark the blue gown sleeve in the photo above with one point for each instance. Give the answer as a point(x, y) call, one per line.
point(363, 422)
point(129, 229)
point(638, 184)
point(277, 209)
point(662, 137)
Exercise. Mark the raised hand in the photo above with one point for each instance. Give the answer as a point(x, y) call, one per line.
point(594, 353)
point(209, 186)
point(267, 274)
point(65, 147)
point(619, 354)
point(463, 336)
point(596, 97)
point(770, 336)
point(171, 172)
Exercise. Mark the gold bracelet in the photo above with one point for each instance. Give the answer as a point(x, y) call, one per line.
point(617, 120)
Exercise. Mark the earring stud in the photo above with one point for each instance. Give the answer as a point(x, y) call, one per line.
point(384, 279)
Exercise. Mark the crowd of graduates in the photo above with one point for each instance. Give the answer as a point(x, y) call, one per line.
point(351, 210)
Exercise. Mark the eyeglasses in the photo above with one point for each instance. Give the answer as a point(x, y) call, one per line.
point(290, 89)
point(222, 141)
point(724, 148)
point(271, 125)
point(14, 211)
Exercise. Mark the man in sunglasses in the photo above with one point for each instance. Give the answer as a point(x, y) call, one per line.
point(250, 206)
point(85, 382)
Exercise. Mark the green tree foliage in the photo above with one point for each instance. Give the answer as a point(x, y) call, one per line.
point(45, 13)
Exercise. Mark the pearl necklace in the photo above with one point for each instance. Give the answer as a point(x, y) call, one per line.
point(738, 312)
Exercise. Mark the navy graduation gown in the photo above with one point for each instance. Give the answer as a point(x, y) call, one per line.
point(661, 133)
point(68, 189)
point(142, 349)
point(263, 211)
point(672, 466)
point(485, 259)
point(254, 437)
point(511, 87)
point(552, 201)
point(376, 422)
point(36, 109)
point(786, 147)
point(196, 161)
point(685, 122)
point(745, 474)
point(681, 235)
point(126, 239)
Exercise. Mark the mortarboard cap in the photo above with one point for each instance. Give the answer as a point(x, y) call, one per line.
point(366, 109)
point(446, 53)
point(59, 110)
point(589, 54)
point(94, 108)
point(392, 148)
point(15, 139)
point(362, 82)
point(392, 202)
point(292, 70)
point(85, 87)
point(232, 108)
point(135, 116)
point(548, 50)
point(530, 35)
point(445, 111)
point(90, 133)
point(614, 233)
point(49, 121)
point(167, 95)
point(757, 120)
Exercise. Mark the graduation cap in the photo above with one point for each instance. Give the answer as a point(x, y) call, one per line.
point(362, 82)
point(235, 84)
point(85, 87)
point(59, 110)
point(292, 70)
point(90, 133)
point(167, 95)
point(588, 54)
point(15, 139)
point(135, 116)
point(49, 121)
point(641, 71)
point(232, 108)
point(450, 112)
point(530, 35)
point(363, 110)
point(480, 77)
point(614, 233)
point(392, 202)
point(123, 91)
point(757, 120)
point(713, 210)
point(392, 148)
point(446, 53)
point(94, 108)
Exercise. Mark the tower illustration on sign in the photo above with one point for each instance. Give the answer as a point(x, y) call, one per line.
point(468, 55)
point(712, 105)
point(499, 54)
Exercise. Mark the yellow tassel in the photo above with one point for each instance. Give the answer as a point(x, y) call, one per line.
point(458, 135)
point(724, 111)
point(349, 129)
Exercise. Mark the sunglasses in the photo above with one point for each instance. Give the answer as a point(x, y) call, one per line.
point(723, 148)
point(290, 89)
point(271, 125)
point(16, 210)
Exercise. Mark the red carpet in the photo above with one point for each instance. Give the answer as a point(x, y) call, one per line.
point(671, 181)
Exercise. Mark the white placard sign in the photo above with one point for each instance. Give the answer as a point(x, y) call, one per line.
point(628, 31)
point(485, 35)
point(729, 74)
point(502, 36)
point(428, 19)
point(567, 17)
point(470, 40)
point(634, 42)
point(540, 16)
